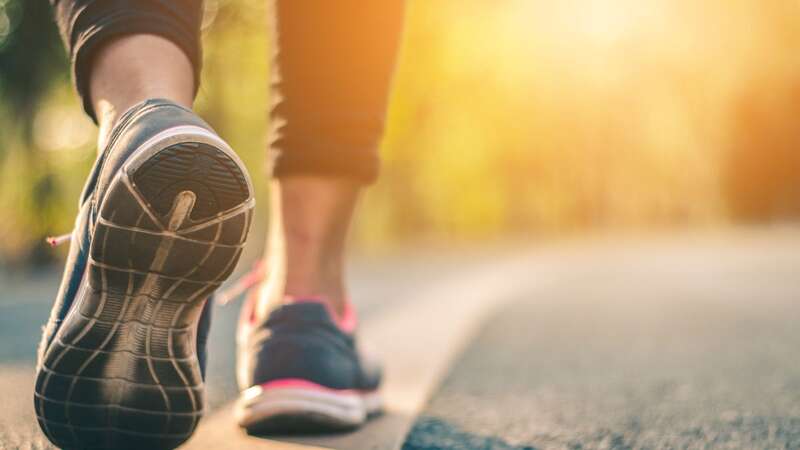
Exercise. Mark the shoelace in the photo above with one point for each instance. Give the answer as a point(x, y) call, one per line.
point(55, 241)
point(346, 321)
point(224, 296)
point(243, 284)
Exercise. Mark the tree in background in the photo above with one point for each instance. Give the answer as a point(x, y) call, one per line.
point(514, 118)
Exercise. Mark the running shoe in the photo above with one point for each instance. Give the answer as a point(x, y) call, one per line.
point(163, 218)
point(301, 371)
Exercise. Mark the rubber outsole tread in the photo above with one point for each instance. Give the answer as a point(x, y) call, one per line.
point(215, 178)
point(123, 371)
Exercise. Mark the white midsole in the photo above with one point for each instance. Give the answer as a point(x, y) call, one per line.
point(343, 408)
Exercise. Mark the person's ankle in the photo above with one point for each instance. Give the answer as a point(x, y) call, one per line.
point(279, 286)
point(345, 318)
point(132, 58)
point(331, 292)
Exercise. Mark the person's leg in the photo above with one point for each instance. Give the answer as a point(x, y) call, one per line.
point(299, 366)
point(307, 241)
point(124, 52)
point(123, 74)
point(162, 222)
point(336, 63)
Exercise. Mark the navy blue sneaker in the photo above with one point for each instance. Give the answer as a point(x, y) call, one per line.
point(162, 222)
point(301, 371)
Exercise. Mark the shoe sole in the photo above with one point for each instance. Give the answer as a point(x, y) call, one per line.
point(305, 409)
point(122, 371)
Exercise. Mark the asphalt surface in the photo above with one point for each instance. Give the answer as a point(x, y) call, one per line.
point(679, 342)
point(378, 283)
point(676, 345)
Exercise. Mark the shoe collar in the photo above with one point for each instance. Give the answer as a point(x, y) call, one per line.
point(250, 286)
point(346, 322)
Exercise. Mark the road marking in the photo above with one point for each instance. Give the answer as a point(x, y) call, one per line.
point(418, 341)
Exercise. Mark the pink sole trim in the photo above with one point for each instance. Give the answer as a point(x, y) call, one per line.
point(299, 383)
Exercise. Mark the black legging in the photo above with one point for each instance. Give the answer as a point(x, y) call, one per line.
point(336, 61)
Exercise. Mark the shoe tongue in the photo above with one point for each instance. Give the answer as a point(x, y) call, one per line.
point(346, 322)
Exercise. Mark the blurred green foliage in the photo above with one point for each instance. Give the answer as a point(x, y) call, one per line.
point(525, 117)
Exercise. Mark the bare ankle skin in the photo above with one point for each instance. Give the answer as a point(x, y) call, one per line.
point(310, 219)
point(132, 69)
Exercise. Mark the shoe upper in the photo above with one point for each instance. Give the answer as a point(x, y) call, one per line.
point(133, 128)
point(301, 340)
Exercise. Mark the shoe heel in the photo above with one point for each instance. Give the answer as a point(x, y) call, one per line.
point(122, 371)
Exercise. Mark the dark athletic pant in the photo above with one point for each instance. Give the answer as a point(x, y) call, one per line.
point(336, 59)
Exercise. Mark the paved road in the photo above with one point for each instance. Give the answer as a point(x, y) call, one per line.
point(684, 345)
point(680, 342)
point(380, 284)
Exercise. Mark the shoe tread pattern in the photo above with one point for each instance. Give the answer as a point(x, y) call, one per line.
point(123, 369)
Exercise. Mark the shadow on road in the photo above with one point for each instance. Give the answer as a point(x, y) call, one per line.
point(433, 433)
